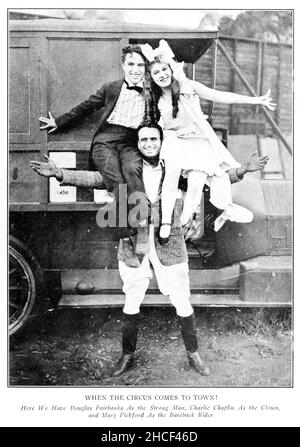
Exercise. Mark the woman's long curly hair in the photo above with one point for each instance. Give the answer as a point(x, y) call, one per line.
point(152, 92)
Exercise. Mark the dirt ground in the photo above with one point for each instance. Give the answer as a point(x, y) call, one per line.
point(77, 347)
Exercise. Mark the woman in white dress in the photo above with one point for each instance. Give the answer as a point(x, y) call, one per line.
point(190, 144)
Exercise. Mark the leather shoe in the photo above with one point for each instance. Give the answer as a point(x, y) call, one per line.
point(197, 364)
point(123, 364)
point(130, 257)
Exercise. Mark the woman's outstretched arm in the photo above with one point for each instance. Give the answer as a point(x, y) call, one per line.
point(232, 98)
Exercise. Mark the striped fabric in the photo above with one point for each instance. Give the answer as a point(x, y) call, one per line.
point(129, 110)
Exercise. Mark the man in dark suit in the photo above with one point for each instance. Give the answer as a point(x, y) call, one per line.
point(114, 151)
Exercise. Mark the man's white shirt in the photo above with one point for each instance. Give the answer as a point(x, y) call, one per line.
point(129, 109)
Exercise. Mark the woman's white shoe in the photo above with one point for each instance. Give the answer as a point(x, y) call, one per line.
point(234, 213)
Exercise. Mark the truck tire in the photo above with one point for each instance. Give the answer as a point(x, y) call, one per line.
point(25, 285)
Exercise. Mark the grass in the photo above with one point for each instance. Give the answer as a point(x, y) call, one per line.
point(249, 321)
point(78, 347)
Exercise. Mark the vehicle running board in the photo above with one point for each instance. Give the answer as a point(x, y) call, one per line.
point(197, 300)
point(252, 283)
point(101, 281)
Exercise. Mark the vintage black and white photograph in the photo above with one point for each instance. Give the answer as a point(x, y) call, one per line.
point(150, 183)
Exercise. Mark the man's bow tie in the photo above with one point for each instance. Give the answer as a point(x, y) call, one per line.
point(134, 87)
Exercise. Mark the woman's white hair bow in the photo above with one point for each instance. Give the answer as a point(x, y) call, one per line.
point(162, 50)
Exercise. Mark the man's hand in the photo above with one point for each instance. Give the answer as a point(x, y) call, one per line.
point(46, 169)
point(255, 163)
point(50, 123)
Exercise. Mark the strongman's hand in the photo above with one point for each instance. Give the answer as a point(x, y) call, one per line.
point(255, 163)
point(46, 169)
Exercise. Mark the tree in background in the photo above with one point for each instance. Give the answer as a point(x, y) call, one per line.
point(275, 26)
point(117, 15)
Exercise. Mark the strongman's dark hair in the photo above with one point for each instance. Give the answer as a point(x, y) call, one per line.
point(151, 125)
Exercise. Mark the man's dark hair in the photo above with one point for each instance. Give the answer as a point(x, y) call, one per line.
point(152, 126)
point(133, 48)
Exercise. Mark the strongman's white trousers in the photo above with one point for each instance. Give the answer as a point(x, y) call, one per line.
point(172, 281)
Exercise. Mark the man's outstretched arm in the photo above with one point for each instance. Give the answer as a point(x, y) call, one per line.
point(254, 163)
point(87, 179)
point(93, 103)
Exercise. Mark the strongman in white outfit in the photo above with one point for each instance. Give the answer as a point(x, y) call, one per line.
point(170, 263)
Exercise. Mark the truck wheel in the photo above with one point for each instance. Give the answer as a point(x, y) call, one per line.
point(25, 285)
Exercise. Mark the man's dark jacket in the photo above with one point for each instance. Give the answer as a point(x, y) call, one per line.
point(106, 97)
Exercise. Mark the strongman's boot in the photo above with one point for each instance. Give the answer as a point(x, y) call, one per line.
point(129, 339)
point(189, 335)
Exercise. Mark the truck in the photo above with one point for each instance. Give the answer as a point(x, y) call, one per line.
point(58, 256)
